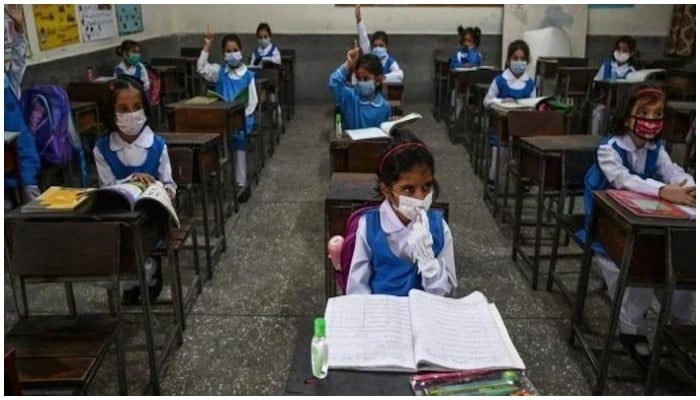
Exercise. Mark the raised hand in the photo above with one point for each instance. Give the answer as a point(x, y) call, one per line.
point(208, 39)
point(358, 13)
point(352, 56)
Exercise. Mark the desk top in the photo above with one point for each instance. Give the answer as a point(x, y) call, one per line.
point(164, 68)
point(218, 105)
point(348, 186)
point(339, 382)
point(682, 106)
point(574, 69)
point(84, 215)
point(603, 199)
point(190, 139)
point(560, 143)
point(482, 86)
point(80, 105)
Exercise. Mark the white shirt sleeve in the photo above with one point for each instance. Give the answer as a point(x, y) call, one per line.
point(599, 76)
point(144, 78)
point(252, 98)
point(445, 281)
point(492, 95)
point(252, 58)
point(363, 36)
point(360, 269)
point(620, 177)
point(276, 57)
point(671, 172)
point(165, 172)
point(209, 72)
point(396, 74)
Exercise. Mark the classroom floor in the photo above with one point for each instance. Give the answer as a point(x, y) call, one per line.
point(242, 329)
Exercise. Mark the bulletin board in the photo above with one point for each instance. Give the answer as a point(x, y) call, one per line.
point(97, 22)
point(130, 18)
point(56, 25)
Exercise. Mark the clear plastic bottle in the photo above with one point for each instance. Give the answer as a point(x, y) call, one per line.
point(338, 125)
point(319, 349)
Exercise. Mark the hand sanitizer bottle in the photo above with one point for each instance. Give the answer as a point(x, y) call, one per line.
point(319, 349)
point(338, 125)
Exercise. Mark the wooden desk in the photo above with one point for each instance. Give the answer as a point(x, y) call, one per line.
point(168, 81)
point(394, 95)
point(625, 237)
point(477, 151)
point(97, 92)
point(461, 83)
point(348, 192)
point(360, 156)
point(680, 116)
point(206, 148)
point(339, 382)
point(139, 234)
point(545, 160)
point(441, 68)
point(546, 70)
point(288, 92)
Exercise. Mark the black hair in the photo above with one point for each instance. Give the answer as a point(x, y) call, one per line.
point(474, 32)
point(515, 46)
point(231, 37)
point(126, 47)
point(631, 44)
point(403, 160)
point(380, 35)
point(622, 112)
point(263, 27)
point(119, 84)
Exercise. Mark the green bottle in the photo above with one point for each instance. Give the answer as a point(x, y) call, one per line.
point(319, 349)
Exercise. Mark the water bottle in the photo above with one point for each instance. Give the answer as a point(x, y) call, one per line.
point(319, 349)
point(90, 74)
point(338, 125)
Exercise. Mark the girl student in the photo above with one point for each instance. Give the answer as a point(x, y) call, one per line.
point(633, 158)
point(513, 84)
point(403, 244)
point(133, 153)
point(233, 79)
point(379, 47)
point(466, 56)
point(362, 105)
point(266, 51)
point(131, 64)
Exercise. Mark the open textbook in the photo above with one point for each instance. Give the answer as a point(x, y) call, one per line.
point(463, 69)
point(643, 75)
point(129, 195)
point(384, 129)
point(416, 333)
point(530, 103)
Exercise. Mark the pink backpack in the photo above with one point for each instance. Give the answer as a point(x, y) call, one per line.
point(341, 277)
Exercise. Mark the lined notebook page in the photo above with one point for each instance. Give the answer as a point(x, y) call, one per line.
point(458, 333)
point(369, 332)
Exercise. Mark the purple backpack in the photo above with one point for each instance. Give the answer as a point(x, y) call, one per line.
point(348, 248)
point(47, 112)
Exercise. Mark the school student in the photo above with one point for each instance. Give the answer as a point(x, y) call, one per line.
point(131, 64)
point(403, 244)
point(633, 158)
point(466, 56)
point(379, 47)
point(513, 84)
point(266, 52)
point(362, 105)
point(232, 79)
point(27, 154)
point(132, 152)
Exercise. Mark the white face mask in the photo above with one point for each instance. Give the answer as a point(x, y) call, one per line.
point(621, 57)
point(131, 124)
point(409, 206)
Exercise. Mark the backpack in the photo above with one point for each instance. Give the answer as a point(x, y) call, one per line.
point(154, 88)
point(47, 112)
point(348, 248)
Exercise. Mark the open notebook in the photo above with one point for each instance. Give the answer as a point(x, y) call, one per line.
point(418, 332)
point(647, 206)
point(384, 130)
point(529, 103)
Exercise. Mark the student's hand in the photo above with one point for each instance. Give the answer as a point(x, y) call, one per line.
point(171, 193)
point(352, 56)
point(467, 65)
point(143, 178)
point(31, 192)
point(678, 194)
point(15, 12)
point(208, 39)
point(358, 13)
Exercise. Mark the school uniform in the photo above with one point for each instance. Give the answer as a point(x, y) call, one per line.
point(137, 71)
point(621, 165)
point(506, 85)
point(27, 153)
point(230, 83)
point(381, 261)
point(269, 54)
point(357, 112)
point(609, 66)
point(464, 55)
point(390, 68)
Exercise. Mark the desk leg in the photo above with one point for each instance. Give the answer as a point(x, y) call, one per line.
point(518, 208)
point(146, 304)
point(176, 285)
point(205, 217)
point(557, 227)
point(538, 224)
point(619, 294)
point(70, 298)
point(497, 178)
point(582, 287)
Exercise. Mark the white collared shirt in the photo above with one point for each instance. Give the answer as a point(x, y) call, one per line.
point(275, 57)
point(131, 71)
point(620, 177)
point(443, 283)
point(133, 154)
point(210, 72)
point(396, 74)
point(620, 70)
point(513, 83)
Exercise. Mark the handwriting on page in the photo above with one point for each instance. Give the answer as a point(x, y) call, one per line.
point(458, 334)
point(369, 331)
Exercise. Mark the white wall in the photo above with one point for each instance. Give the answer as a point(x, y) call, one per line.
point(158, 20)
point(641, 20)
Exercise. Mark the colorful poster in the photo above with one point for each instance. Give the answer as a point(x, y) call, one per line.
point(130, 19)
point(56, 25)
point(10, 33)
point(97, 22)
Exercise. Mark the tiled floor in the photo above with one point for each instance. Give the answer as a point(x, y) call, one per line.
point(242, 329)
